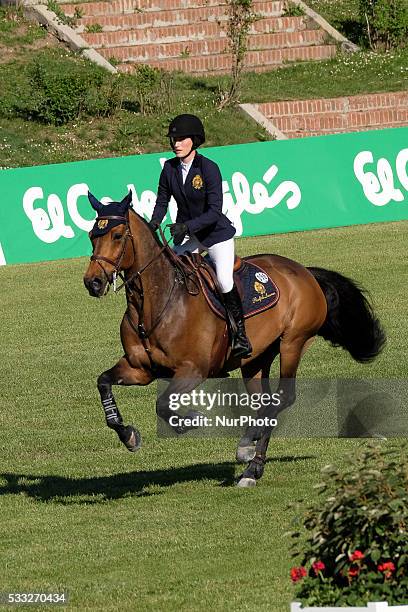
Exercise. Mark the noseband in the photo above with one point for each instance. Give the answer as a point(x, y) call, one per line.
point(117, 263)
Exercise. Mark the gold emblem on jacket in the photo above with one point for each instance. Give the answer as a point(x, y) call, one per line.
point(197, 182)
point(102, 223)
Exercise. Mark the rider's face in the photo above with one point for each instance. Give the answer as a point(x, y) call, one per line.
point(182, 146)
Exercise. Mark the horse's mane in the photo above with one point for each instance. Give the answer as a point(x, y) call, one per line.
point(175, 260)
point(153, 233)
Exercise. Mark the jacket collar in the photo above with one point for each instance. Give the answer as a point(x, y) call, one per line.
point(196, 163)
point(196, 160)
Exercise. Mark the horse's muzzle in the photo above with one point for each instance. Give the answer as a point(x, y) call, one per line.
point(95, 285)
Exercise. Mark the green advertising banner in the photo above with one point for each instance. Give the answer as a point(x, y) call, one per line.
point(269, 187)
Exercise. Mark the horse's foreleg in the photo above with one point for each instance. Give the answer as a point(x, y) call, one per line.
point(291, 351)
point(121, 374)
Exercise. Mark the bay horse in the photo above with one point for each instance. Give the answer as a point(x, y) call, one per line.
point(168, 330)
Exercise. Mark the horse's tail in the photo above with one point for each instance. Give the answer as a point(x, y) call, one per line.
point(351, 321)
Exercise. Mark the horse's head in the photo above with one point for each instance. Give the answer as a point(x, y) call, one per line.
point(112, 244)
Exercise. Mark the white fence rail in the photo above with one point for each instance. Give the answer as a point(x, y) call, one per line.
point(371, 607)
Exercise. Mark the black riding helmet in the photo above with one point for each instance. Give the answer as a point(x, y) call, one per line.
point(187, 126)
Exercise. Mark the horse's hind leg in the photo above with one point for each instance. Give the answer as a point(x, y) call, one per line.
point(184, 381)
point(121, 374)
point(291, 351)
point(256, 378)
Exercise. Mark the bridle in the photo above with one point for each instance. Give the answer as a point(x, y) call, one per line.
point(183, 269)
point(117, 263)
point(183, 274)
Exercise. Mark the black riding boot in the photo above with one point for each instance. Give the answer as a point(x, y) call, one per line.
point(241, 346)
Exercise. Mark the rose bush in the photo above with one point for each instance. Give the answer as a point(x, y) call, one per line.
point(353, 547)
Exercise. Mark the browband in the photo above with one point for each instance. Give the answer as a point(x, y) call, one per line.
point(111, 217)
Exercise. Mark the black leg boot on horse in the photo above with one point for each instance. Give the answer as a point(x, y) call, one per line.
point(241, 346)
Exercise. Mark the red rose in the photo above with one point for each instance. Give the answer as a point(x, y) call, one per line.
point(386, 568)
point(297, 573)
point(353, 572)
point(318, 566)
point(356, 555)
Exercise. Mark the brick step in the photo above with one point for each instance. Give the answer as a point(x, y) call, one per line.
point(210, 29)
point(257, 61)
point(330, 105)
point(211, 46)
point(165, 18)
point(124, 7)
point(139, 49)
point(342, 121)
point(128, 7)
point(160, 5)
point(116, 7)
point(307, 134)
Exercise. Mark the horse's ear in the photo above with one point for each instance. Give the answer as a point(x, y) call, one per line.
point(127, 201)
point(96, 204)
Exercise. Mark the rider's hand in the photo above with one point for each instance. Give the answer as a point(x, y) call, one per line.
point(178, 232)
point(154, 224)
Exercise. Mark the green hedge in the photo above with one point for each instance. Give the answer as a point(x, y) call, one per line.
point(59, 88)
point(386, 22)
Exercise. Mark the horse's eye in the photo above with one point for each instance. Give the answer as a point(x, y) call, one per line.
point(117, 236)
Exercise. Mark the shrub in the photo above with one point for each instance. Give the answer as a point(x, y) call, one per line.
point(386, 22)
point(62, 90)
point(241, 16)
point(356, 546)
point(153, 89)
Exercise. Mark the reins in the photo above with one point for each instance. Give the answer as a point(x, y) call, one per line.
point(184, 273)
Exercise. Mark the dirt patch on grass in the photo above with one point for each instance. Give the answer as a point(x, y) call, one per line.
point(8, 53)
point(19, 36)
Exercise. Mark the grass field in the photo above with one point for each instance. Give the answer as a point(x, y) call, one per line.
point(156, 530)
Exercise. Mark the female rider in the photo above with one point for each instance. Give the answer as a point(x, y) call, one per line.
point(196, 185)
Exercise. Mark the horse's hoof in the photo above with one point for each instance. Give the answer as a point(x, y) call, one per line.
point(246, 483)
point(134, 440)
point(245, 454)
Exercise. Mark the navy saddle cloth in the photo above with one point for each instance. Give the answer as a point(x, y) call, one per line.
point(257, 290)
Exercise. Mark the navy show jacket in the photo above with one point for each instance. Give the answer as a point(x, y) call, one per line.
point(199, 200)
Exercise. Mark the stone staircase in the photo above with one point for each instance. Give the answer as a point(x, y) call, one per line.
point(190, 35)
point(338, 115)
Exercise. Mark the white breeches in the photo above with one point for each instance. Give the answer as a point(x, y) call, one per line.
point(221, 254)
